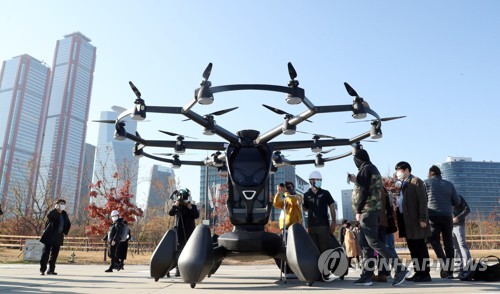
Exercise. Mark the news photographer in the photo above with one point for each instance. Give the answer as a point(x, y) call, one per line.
point(185, 213)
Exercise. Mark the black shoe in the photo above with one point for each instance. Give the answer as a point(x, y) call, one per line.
point(109, 270)
point(400, 277)
point(51, 273)
point(177, 273)
point(443, 274)
point(42, 273)
point(450, 276)
point(363, 282)
point(422, 279)
point(413, 278)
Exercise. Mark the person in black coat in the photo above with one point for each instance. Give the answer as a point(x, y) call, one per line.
point(56, 227)
point(117, 238)
point(185, 213)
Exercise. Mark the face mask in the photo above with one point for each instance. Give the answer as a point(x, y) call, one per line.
point(114, 218)
point(400, 175)
point(62, 207)
point(317, 184)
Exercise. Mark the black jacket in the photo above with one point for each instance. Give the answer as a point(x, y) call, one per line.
point(461, 211)
point(184, 220)
point(50, 235)
point(120, 233)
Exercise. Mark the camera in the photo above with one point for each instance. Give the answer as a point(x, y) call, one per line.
point(282, 185)
point(182, 195)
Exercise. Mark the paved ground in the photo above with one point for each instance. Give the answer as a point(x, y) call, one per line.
point(25, 278)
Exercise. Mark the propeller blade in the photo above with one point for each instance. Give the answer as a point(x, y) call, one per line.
point(134, 88)
point(317, 135)
point(105, 121)
point(382, 119)
point(118, 109)
point(208, 71)
point(392, 118)
point(174, 134)
point(275, 110)
point(350, 90)
point(222, 111)
point(279, 111)
point(168, 133)
point(291, 71)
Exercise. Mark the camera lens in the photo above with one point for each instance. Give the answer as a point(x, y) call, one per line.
point(282, 185)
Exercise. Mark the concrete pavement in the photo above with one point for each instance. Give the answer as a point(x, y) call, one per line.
point(25, 278)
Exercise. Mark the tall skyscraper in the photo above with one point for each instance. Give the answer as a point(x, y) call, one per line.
point(162, 186)
point(114, 156)
point(66, 125)
point(478, 182)
point(24, 85)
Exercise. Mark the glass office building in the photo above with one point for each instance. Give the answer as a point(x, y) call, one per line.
point(24, 83)
point(478, 182)
point(66, 124)
point(161, 188)
point(115, 156)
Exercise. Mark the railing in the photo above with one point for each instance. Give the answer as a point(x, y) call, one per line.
point(475, 242)
point(74, 243)
point(490, 242)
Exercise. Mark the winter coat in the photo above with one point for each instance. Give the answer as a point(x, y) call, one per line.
point(442, 196)
point(461, 211)
point(293, 213)
point(119, 232)
point(51, 236)
point(184, 220)
point(350, 242)
point(366, 193)
point(414, 209)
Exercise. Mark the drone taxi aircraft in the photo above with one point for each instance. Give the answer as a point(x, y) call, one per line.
point(248, 157)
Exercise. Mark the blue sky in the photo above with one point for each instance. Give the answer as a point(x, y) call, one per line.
point(437, 62)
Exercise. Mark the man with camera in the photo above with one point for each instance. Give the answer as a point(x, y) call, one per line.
point(185, 213)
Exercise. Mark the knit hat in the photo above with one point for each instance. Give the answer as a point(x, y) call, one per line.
point(361, 157)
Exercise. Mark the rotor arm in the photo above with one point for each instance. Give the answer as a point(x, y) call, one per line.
point(183, 162)
point(223, 133)
point(284, 145)
point(333, 108)
point(296, 91)
point(198, 145)
point(164, 109)
point(278, 129)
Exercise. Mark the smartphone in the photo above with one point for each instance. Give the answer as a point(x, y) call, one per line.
point(348, 178)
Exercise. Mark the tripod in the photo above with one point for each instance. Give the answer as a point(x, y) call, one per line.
point(179, 221)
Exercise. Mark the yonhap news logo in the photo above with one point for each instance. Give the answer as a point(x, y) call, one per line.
point(332, 264)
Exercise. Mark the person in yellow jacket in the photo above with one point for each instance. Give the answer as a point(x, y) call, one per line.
point(291, 202)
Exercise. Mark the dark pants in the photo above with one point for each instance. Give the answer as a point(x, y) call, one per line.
point(383, 264)
point(442, 226)
point(369, 241)
point(115, 261)
point(53, 252)
point(419, 255)
point(321, 237)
